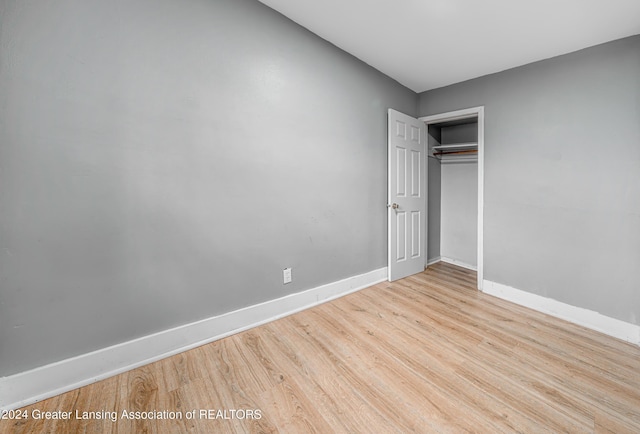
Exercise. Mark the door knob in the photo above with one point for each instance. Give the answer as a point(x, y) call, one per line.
point(394, 206)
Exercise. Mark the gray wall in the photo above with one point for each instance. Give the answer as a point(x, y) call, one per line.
point(562, 175)
point(459, 212)
point(434, 189)
point(459, 202)
point(433, 209)
point(163, 161)
point(464, 133)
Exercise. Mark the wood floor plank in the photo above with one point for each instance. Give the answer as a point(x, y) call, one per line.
point(343, 399)
point(393, 344)
point(445, 375)
point(425, 380)
point(425, 354)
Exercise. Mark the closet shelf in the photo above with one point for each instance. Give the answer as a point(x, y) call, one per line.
point(455, 146)
point(456, 153)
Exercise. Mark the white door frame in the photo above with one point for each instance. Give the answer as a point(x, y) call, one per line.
point(463, 114)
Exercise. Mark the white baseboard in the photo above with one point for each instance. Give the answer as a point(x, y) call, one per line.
point(433, 260)
point(577, 315)
point(459, 263)
point(44, 382)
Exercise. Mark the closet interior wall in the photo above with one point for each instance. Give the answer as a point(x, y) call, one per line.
point(453, 197)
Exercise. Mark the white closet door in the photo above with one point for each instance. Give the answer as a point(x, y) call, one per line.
point(407, 195)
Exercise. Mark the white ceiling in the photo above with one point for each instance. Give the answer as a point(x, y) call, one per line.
point(426, 44)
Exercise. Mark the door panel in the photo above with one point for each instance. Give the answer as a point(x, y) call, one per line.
point(401, 167)
point(416, 245)
point(401, 240)
point(416, 178)
point(407, 201)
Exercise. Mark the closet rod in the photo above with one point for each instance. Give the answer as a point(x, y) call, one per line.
point(466, 151)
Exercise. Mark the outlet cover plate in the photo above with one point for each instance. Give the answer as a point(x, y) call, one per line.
point(286, 274)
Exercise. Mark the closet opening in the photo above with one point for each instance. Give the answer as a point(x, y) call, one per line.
point(455, 151)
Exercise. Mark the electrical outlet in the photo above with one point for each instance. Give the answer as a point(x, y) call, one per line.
point(286, 274)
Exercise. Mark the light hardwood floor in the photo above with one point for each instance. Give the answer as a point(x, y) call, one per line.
point(425, 354)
